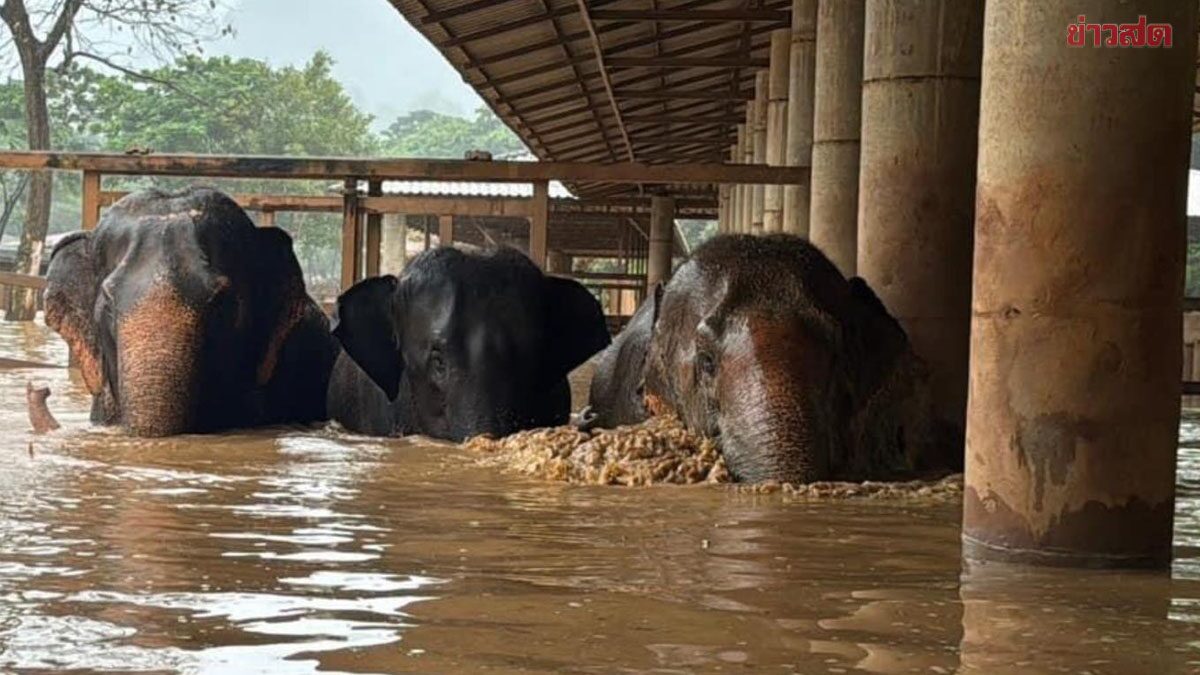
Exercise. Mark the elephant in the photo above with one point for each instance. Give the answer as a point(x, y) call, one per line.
point(800, 374)
point(186, 318)
point(464, 343)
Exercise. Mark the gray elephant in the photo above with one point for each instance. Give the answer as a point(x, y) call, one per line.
point(463, 343)
point(185, 317)
point(801, 374)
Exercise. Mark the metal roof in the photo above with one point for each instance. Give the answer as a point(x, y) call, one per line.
point(469, 189)
point(609, 80)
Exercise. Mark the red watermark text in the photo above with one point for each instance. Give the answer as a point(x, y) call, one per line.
point(1140, 34)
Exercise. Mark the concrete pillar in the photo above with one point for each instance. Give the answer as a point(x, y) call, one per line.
point(837, 122)
point(394, 243)
point(1078, 299)
point(800, 112)
point(758, 191)
point(777, 102)
point(748, 158)
point(736, 190)
point(662, 231)
point(917, 182)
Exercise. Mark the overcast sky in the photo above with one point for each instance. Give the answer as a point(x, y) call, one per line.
point(385, 64)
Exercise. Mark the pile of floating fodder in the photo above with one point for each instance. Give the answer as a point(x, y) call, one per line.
point(947, 488)
point(657, 451)
point(661, 451)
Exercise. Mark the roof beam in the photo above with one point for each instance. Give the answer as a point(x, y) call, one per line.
point(709, 15)
point(608, 88)
point(469, 8)
point(684, 95)
point(684, 62)
point(327, 168)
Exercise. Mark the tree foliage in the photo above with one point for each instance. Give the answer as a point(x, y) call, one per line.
point(425, 133)
point(225, 105)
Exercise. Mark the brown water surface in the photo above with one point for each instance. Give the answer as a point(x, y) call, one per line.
point(304, 550)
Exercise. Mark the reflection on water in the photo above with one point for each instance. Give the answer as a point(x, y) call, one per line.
point(297, 550)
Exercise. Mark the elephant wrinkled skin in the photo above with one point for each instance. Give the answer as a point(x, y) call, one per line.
point(184, 317)
point(801, 374)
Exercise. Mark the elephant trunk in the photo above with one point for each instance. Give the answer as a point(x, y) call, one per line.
point(774, 421)
point(158, 348)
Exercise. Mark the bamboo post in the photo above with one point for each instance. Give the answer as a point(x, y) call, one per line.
point(350, 234)
point(539, 223)
point(801, 82)
point(777, 104)
point(760, 146)
point(374, 232)
point(91, 200)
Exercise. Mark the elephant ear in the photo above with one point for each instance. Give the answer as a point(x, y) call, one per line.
point(282, 299)
point(875, 340)
point(70, 300)
point(575, 328)
point(365, 324)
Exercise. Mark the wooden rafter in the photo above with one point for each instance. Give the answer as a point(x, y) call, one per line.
point(612, 99)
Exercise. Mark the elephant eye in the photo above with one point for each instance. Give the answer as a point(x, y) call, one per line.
point(437, 364)
point(706, 364)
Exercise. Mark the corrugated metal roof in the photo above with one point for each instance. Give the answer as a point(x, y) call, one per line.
point(466, 189)
point(535, 64)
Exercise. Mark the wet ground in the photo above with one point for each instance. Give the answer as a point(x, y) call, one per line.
point(293, 550)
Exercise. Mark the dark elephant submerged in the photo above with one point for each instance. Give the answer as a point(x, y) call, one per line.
point(462, 344)
point(801, 374)
point(184, 317)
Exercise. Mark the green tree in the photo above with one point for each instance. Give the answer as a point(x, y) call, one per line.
point(424, 133)
point(41, 30)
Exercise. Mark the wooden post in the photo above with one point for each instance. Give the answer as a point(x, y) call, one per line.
point(722, 208)
point(777, 105)
point(539, 223)
point(393, 243)
point(445, 229)
point(91, 200)
point(425, 226)
point(801, 81)
point(266, 219)
point(374, 231)
point(662, 236)
point(350, 235)
point(760, 146)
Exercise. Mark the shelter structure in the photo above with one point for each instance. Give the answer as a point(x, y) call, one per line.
point(1019, 208)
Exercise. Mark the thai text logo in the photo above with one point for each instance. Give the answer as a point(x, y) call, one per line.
point(1140, 34)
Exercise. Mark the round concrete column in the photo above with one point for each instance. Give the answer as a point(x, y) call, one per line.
point(777, 93)
point(1077, 317)
point(662, 230)
point(837, 122)
point(800, 112)
point(758, 191)
point(917, 184)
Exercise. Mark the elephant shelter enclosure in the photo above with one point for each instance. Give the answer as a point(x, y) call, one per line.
point(293, 550)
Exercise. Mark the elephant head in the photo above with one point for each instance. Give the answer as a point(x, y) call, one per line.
point(801, 374)
point(184, 317)
point(471, 343)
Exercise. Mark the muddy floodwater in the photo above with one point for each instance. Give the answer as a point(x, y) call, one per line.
point(308, 550)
